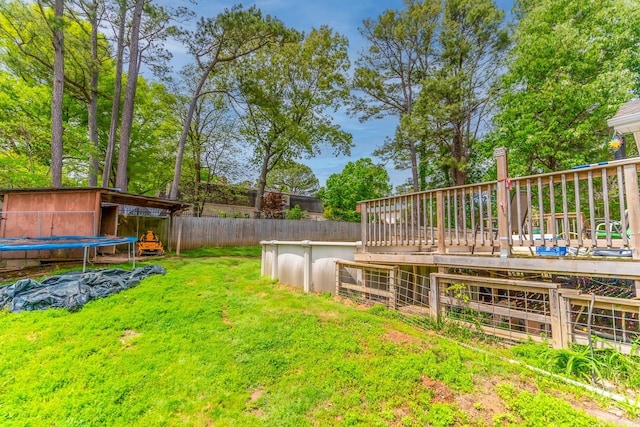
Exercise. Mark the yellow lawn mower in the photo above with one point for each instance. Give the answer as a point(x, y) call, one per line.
point(150, 244)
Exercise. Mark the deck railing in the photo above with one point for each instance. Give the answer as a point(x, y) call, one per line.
point(593, 206)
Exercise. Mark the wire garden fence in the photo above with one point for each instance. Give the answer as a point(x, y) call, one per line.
point(510, 308)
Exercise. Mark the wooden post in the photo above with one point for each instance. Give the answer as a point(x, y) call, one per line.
point(179, 239)
point(392, 287)
point(557, 333)
point(636, 137)
point(434, 298)
point(564, 309)
point(169, 232)
point(442, 248)
point(633, 206)
point(500, 154)
point(363, 224)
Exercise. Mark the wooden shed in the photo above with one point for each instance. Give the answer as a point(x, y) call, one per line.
point(49, 212)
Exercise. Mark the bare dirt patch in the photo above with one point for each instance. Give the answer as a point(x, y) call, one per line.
point(441, 393)
point(398, 337)
point(252, 402)
point(225, 317)
point(484, 404)
point(127, 336)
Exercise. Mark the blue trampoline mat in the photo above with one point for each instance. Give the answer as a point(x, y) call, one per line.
point(62, 242)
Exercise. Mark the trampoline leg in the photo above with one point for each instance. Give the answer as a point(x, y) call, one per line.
point(133, 254)
point(84, 260)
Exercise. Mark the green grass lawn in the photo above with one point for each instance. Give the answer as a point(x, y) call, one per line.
point(212, 343)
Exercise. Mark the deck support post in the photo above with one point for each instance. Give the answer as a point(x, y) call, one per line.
point(393, 277)
point(555, 309)
point(500, 154)
point(434, 298)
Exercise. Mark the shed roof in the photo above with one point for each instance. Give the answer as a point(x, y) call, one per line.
point(109, 195)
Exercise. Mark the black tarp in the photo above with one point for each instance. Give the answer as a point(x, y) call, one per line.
point(71, 290)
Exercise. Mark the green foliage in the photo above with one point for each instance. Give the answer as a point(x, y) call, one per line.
point(541, 409)
point(358, 181)
point(294, 178)
point(284, 93)
point(577, 362)
point(295, 213)
point(457, 96)
point(573, 63)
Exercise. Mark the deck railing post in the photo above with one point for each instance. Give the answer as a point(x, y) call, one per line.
point(633, 206)
point(442, 248)
point(500, 154)
point(363, 225)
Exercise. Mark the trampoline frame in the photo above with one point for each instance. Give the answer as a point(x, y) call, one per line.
point(69, 242)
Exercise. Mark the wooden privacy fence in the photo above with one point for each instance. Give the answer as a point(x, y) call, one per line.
point(205, 231)
point(507, 308)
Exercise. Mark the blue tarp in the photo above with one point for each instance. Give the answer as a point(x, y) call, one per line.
point(71, 290)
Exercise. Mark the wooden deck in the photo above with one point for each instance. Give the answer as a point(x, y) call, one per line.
point(582, 221)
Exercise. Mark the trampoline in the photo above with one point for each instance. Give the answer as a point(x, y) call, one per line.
point(69, 242)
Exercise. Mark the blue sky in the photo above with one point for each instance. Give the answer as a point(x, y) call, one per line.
point(345, 17)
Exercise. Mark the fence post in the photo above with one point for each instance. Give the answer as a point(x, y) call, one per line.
point(504, 233)
point(434, 298)
point(178, 240)
point(564, 307)
point(393, 275)
point(442, 248)
point(555, 311)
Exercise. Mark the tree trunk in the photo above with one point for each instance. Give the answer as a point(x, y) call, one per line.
point(122, 177)
point(115, 108)
point(414, 166)
point(262, 183)
point(173, 194)
point(58, 92)
point(93, 98)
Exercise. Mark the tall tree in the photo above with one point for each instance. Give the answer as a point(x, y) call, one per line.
point(573, 63)
point(293, 177)
point(58, 93)
point(458, 95)
point(90, 12)
point(359, 180)
point(283, 95)
point(30, 56)
point(389, 73)
point(213, 152)
point(120, 19)
point(233, 34)
point(129, 99)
